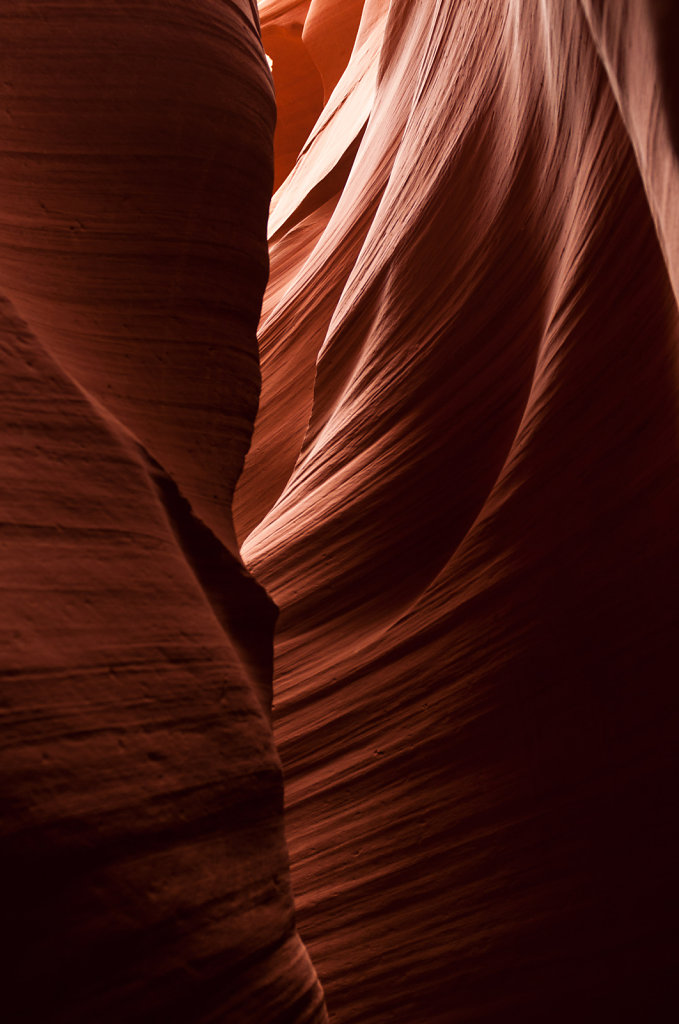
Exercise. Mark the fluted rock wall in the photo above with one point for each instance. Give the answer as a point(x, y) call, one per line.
point(144, 866)
point(462, 492)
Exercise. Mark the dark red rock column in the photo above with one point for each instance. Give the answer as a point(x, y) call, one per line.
point(144, 865)
point(135, 177)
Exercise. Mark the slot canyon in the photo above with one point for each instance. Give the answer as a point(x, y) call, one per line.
point(339, 512)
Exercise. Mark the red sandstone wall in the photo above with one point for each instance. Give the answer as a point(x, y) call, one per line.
point(463, 493)
point(144, 863)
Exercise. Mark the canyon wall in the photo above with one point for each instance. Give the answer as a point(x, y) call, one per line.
point(144, 865)
point(459, 506)
point(462, 492)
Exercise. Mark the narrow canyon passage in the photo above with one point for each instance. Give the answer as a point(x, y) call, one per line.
point(340, 621)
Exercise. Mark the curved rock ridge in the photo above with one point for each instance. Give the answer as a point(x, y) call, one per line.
point(329, 33)
point(462, 493)
point(312, 249)
point(283, 12)
point(637, 45)
point(142, 843)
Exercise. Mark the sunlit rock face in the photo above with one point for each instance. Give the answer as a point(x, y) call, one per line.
point(462, 492)
point(145, 871)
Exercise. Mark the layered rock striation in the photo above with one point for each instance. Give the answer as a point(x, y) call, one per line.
point(462, 493)
point(144, 864)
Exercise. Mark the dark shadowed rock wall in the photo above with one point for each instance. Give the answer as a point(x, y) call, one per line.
point(144, 865)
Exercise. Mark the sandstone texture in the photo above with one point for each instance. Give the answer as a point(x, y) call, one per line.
point(462, 492)
point(144, 865)
point(399, 530)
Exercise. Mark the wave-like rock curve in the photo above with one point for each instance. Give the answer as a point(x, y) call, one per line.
point(462, 493)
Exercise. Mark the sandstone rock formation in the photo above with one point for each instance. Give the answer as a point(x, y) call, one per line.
point(462, 493)
point(144, 866)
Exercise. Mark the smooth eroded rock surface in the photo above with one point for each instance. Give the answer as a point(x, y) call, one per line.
point(463, 493)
